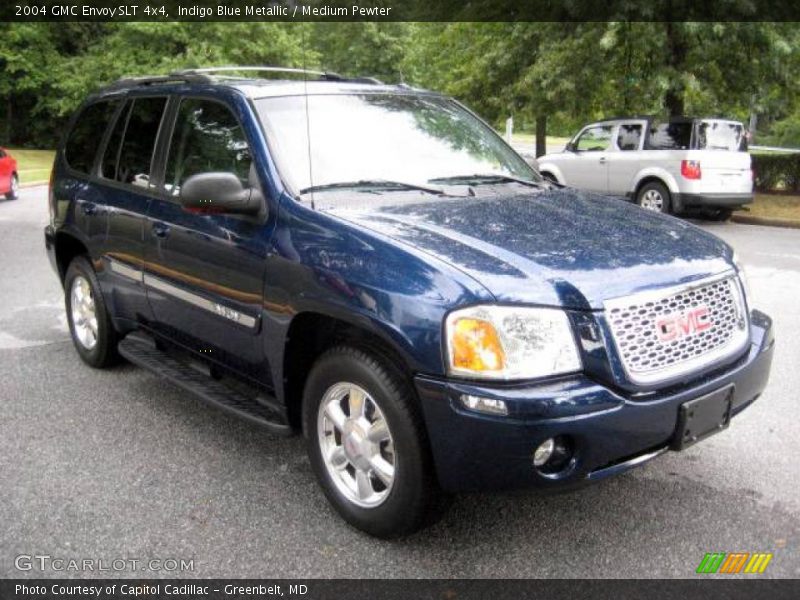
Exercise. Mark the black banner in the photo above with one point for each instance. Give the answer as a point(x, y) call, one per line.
point(399, 10)
point(384, 589)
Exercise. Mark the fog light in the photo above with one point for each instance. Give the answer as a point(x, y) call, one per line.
point(543, 453)
point(484, 405)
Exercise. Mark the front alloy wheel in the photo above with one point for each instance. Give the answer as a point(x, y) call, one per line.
point(367, 442)
point(356, 444)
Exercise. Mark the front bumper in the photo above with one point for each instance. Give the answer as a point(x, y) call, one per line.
point(611, 431)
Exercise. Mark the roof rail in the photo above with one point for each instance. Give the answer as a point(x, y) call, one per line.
point(325, 75)
point(207, 75)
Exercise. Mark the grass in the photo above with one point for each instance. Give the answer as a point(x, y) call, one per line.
point(530, 138)
point(33, 165)
point(776, 206)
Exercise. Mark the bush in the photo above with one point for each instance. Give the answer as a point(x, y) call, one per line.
point(777, 172)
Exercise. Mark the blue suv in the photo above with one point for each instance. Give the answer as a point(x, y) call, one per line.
point(373, 266)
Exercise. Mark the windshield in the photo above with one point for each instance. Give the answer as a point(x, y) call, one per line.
point(404, 138)
point(720, 135)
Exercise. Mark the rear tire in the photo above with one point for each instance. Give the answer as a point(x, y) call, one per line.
point(93, 334)
point(13, 193)
point(719, 214)
point(655, 196)
point(367, 443)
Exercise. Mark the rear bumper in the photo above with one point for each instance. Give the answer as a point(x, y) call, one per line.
point(610, 432)
point(715, 200)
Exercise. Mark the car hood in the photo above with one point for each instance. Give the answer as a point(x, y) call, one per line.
point(557, 247)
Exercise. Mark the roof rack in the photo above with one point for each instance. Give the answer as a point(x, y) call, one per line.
point(211, 74)
point(325, 75)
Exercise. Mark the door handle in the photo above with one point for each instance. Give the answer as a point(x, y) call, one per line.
point(89, 208)
point(160, 229)
point(602, 160)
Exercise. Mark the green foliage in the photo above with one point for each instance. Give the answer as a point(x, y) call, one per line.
point(570, 72)
point(774, 172)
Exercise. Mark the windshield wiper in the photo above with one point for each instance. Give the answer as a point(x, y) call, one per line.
point(374, 184)
point(478, 178)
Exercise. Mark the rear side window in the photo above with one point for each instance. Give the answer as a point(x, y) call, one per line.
point(136, 152)
point(629, 136)
point(670, 136)
point(84, 139)
point(207, 137)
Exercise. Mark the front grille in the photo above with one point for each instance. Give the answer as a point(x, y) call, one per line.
point(660, 335)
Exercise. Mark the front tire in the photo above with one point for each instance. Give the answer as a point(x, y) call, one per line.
point(13, 193)
point(654, 196)
point(367, 443)
point(93, 334)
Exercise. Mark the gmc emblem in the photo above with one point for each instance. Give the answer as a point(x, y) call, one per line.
point(676, 326)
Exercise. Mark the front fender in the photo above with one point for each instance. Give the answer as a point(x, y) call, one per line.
point(553, 169)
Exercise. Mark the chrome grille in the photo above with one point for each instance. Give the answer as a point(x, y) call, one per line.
point(659, 335)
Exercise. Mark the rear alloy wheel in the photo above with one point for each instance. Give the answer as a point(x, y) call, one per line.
point(654, 196)
point(93, 334)
point(367, 443)
point(14, 191)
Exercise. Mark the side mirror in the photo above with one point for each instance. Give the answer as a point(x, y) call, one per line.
point(570, 147)
point(219, 192)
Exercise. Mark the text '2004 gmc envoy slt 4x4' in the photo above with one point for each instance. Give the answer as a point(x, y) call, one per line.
point(374, 267)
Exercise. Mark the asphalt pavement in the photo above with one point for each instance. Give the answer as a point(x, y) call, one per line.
point(118, 464)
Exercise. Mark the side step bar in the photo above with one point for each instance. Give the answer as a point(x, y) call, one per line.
point(141, 351)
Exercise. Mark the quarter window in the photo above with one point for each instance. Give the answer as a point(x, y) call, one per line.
point(629, 137)
point(136, 152)
point(108, 166)
point(207, 138)
point(83, 140)
point(595, 139)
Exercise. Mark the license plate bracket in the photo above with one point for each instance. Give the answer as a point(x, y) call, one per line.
point(703, 417)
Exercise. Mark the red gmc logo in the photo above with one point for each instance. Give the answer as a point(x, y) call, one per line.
point(673, 327)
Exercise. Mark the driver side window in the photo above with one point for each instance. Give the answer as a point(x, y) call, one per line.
point(594, 139)
point(207, 137)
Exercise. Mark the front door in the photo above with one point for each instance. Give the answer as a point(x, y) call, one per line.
point(588, 170)
point(204, 272)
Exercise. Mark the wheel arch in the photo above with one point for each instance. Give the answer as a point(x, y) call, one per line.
point(312, 332)
point(657, 175)
point(67, 247)
point(552, 170)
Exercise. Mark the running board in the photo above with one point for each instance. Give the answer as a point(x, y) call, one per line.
point(141, 351)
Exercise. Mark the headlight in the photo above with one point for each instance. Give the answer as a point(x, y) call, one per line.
point(510, 342)
point(742, 276)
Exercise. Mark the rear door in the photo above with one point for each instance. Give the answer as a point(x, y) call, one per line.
point(125, 170)
point(625, 160)
point(205, 272)
point(588, 170)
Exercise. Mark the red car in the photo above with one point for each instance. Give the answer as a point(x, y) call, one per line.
point(9, 180)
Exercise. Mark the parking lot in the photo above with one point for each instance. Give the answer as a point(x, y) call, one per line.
point(119, 464)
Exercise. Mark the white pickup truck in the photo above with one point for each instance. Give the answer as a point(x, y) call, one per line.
point(666, 166)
